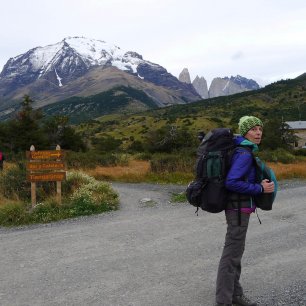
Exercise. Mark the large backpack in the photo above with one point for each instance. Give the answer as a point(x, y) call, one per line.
point(208, 190)
point(214, 153)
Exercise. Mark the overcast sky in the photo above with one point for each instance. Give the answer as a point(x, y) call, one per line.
point(260, 39)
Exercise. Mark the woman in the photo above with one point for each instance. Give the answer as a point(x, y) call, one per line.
point(241, 182)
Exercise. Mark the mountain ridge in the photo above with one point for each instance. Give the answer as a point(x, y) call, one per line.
point(52, 68)
point(219, 86)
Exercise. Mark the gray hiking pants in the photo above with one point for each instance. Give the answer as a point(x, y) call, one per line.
point(230, 263)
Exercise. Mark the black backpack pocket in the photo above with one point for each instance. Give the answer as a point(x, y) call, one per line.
point(194, 192)
point(264, 201)
point(214, 196)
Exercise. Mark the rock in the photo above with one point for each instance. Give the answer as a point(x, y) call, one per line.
point(200, 85)
point(229, 86)
point(185, 76)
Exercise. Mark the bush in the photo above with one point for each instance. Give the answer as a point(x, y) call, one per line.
point(82, 195)
point(279, 155)
point(91, 159)
point(13, 213)
point(13, 183)
point(300, 152)
point(172, 163)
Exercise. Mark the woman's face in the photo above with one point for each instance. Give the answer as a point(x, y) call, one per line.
point(254, 134)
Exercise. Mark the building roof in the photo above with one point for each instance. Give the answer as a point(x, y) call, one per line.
point(296, 125)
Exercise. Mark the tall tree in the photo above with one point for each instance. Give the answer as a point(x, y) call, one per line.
point(25, 129)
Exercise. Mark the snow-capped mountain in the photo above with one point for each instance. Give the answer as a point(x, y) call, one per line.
point(49, 70)
point(69, 59)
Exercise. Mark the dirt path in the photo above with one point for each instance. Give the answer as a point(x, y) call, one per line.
point(152, 253)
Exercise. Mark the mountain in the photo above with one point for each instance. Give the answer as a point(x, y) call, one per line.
point(200, 85)
point(49, 74)
point(219, 86)
point(185, 76)
point(228, 86)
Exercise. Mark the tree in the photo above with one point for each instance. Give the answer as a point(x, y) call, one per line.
point(107, 144)
point(59, 132)
point(25, 129)
point(276, 134)
point(170, 138)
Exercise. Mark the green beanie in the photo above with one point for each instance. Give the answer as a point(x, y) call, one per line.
point(248, 122)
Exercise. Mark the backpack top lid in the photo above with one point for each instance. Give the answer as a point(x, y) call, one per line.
point(219, 139)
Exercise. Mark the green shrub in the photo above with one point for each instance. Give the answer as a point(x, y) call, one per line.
point(13, 183)
point(82, 195)
point(13, 213)
point(300, 152)
point(90, 159)
point(279, 155)
point(172, 163)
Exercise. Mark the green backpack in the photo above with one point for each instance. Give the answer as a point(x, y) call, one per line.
point(265, 201)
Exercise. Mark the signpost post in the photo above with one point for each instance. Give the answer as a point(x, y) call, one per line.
point(46, 166)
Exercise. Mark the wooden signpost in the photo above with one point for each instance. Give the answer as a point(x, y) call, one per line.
point(46, 166)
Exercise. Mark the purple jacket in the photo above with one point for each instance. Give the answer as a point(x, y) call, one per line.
point(241, 177)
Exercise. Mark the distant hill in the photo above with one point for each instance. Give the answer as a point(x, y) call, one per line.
point(285, 100)
point(119, 100)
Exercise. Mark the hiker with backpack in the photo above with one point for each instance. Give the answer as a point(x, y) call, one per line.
point(243, 186)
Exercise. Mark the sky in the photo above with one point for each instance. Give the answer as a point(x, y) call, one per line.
point(264, 40)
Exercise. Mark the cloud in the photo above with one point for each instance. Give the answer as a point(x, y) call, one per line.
point(237, 56)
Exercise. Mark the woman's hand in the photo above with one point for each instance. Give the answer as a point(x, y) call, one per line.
point(268, 187)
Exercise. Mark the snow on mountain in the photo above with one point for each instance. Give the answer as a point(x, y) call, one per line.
point(80, 50)
point(43, 71)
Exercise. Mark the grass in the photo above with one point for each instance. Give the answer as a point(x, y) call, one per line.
point(178, 197)
point(139, 171)
point(135, 171)
point(289, 171)
point(85, 195)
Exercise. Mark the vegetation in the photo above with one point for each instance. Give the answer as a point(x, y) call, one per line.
point(82, 195)
point(120, 99)
point(132, 146)
point(175, 128)
point(30, 127)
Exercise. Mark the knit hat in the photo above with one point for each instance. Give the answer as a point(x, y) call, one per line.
point(248, 122)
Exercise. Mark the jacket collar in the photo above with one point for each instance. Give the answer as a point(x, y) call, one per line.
point(243, 142)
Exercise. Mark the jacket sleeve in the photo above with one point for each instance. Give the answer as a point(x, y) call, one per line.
point(237, 177)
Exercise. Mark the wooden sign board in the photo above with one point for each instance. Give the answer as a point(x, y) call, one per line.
point(46, 177)
point(52, 165)
point(51, 154)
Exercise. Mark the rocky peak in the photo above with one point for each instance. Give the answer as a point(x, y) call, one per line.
point(185, 76)
point(229, 86)
point(200, 85)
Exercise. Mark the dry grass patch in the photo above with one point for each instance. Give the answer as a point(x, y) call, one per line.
point(135, 171)
point(289, 171)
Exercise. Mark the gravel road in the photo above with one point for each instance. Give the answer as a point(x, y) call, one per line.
point(153, 253)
